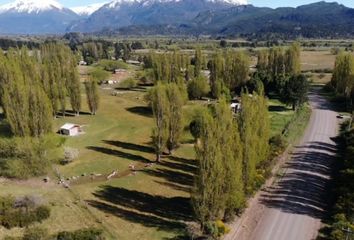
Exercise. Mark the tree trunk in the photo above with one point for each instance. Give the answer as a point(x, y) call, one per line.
point(158, 157)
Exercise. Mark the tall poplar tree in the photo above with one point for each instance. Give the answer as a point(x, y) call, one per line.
point(92, 95)
point(160, 108)
point(208, 196)
point(229, 142)
point(218, 191)
point(175, 125)
point(293, 61)
point(254, 131)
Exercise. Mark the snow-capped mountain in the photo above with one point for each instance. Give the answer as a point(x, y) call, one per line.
point(35, 17)
point(121, 13)
point(30, 6)
point(49, 16)
point(87, 10)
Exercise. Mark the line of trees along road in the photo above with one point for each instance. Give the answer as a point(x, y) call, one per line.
point(343, 78)
point(232, 151)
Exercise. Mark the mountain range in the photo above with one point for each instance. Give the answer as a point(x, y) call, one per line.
point(177, 17)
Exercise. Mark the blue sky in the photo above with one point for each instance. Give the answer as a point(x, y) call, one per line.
point(268, 3)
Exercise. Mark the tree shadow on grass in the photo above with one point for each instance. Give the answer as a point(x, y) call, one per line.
point(186, 168)
point(134, 89)
point(173, 208)
point(120, 154)
point(141, 110)
point(70, 113)
point(177, 173)
point(5, 129)
point(171, 176)
point(165, 213)
point(175, 186)
point(191, 162)
point(132, 216)
point(277, 109)
point(130, 146)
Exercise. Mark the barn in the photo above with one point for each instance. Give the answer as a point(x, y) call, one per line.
point(70, 129)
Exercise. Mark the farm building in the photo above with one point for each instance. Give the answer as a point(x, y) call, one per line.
point(235, 107)
point(70, 129)
point(133, 62)
point(118, 71)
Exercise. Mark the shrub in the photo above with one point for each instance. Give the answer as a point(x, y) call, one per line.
point(129, 83)
point(42, 213)
point(111, 65)
point(21, 213)
point(222, 228)
point(36, 233)
point(25, 157)
point(335, 51)
point(82, 234)
point(70, 154)
point(211, 229)
point(28, 157)
point(99, 75)
point(277, 143)
point(198, 88)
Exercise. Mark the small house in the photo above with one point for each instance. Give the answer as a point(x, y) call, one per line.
point(119, 71)
point(133, 62)
point(235, 107)
point(70, 129)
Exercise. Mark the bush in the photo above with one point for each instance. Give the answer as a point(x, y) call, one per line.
point(83, 234)
point(70, 154)
point(129, 83)
point(24, 157)
point(36, 233)
point(111, 65)
point(198, 88)
point(222, 228)
point(42, 213)
point(277, 143)
point(99, 75)
point(211, 229)
point(21, 213)
point(344, 189)
point(216, 229)
point(335, 51)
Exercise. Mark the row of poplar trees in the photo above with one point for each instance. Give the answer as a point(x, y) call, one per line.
point(279, 69)
point(35, 87)
point(167, 100)
point(343, 77)
point(229, 149)
point(229, 71)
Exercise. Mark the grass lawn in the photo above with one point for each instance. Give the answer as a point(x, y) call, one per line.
point(153, 204)
point(280, 115)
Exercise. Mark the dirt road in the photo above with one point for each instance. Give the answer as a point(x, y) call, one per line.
point(292, 208)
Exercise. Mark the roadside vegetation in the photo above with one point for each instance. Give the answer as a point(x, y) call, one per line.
point(342, 226)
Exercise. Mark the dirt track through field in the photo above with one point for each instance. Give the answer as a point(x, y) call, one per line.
point(292, 208)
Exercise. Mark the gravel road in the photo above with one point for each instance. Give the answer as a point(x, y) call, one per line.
point(292, 208)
